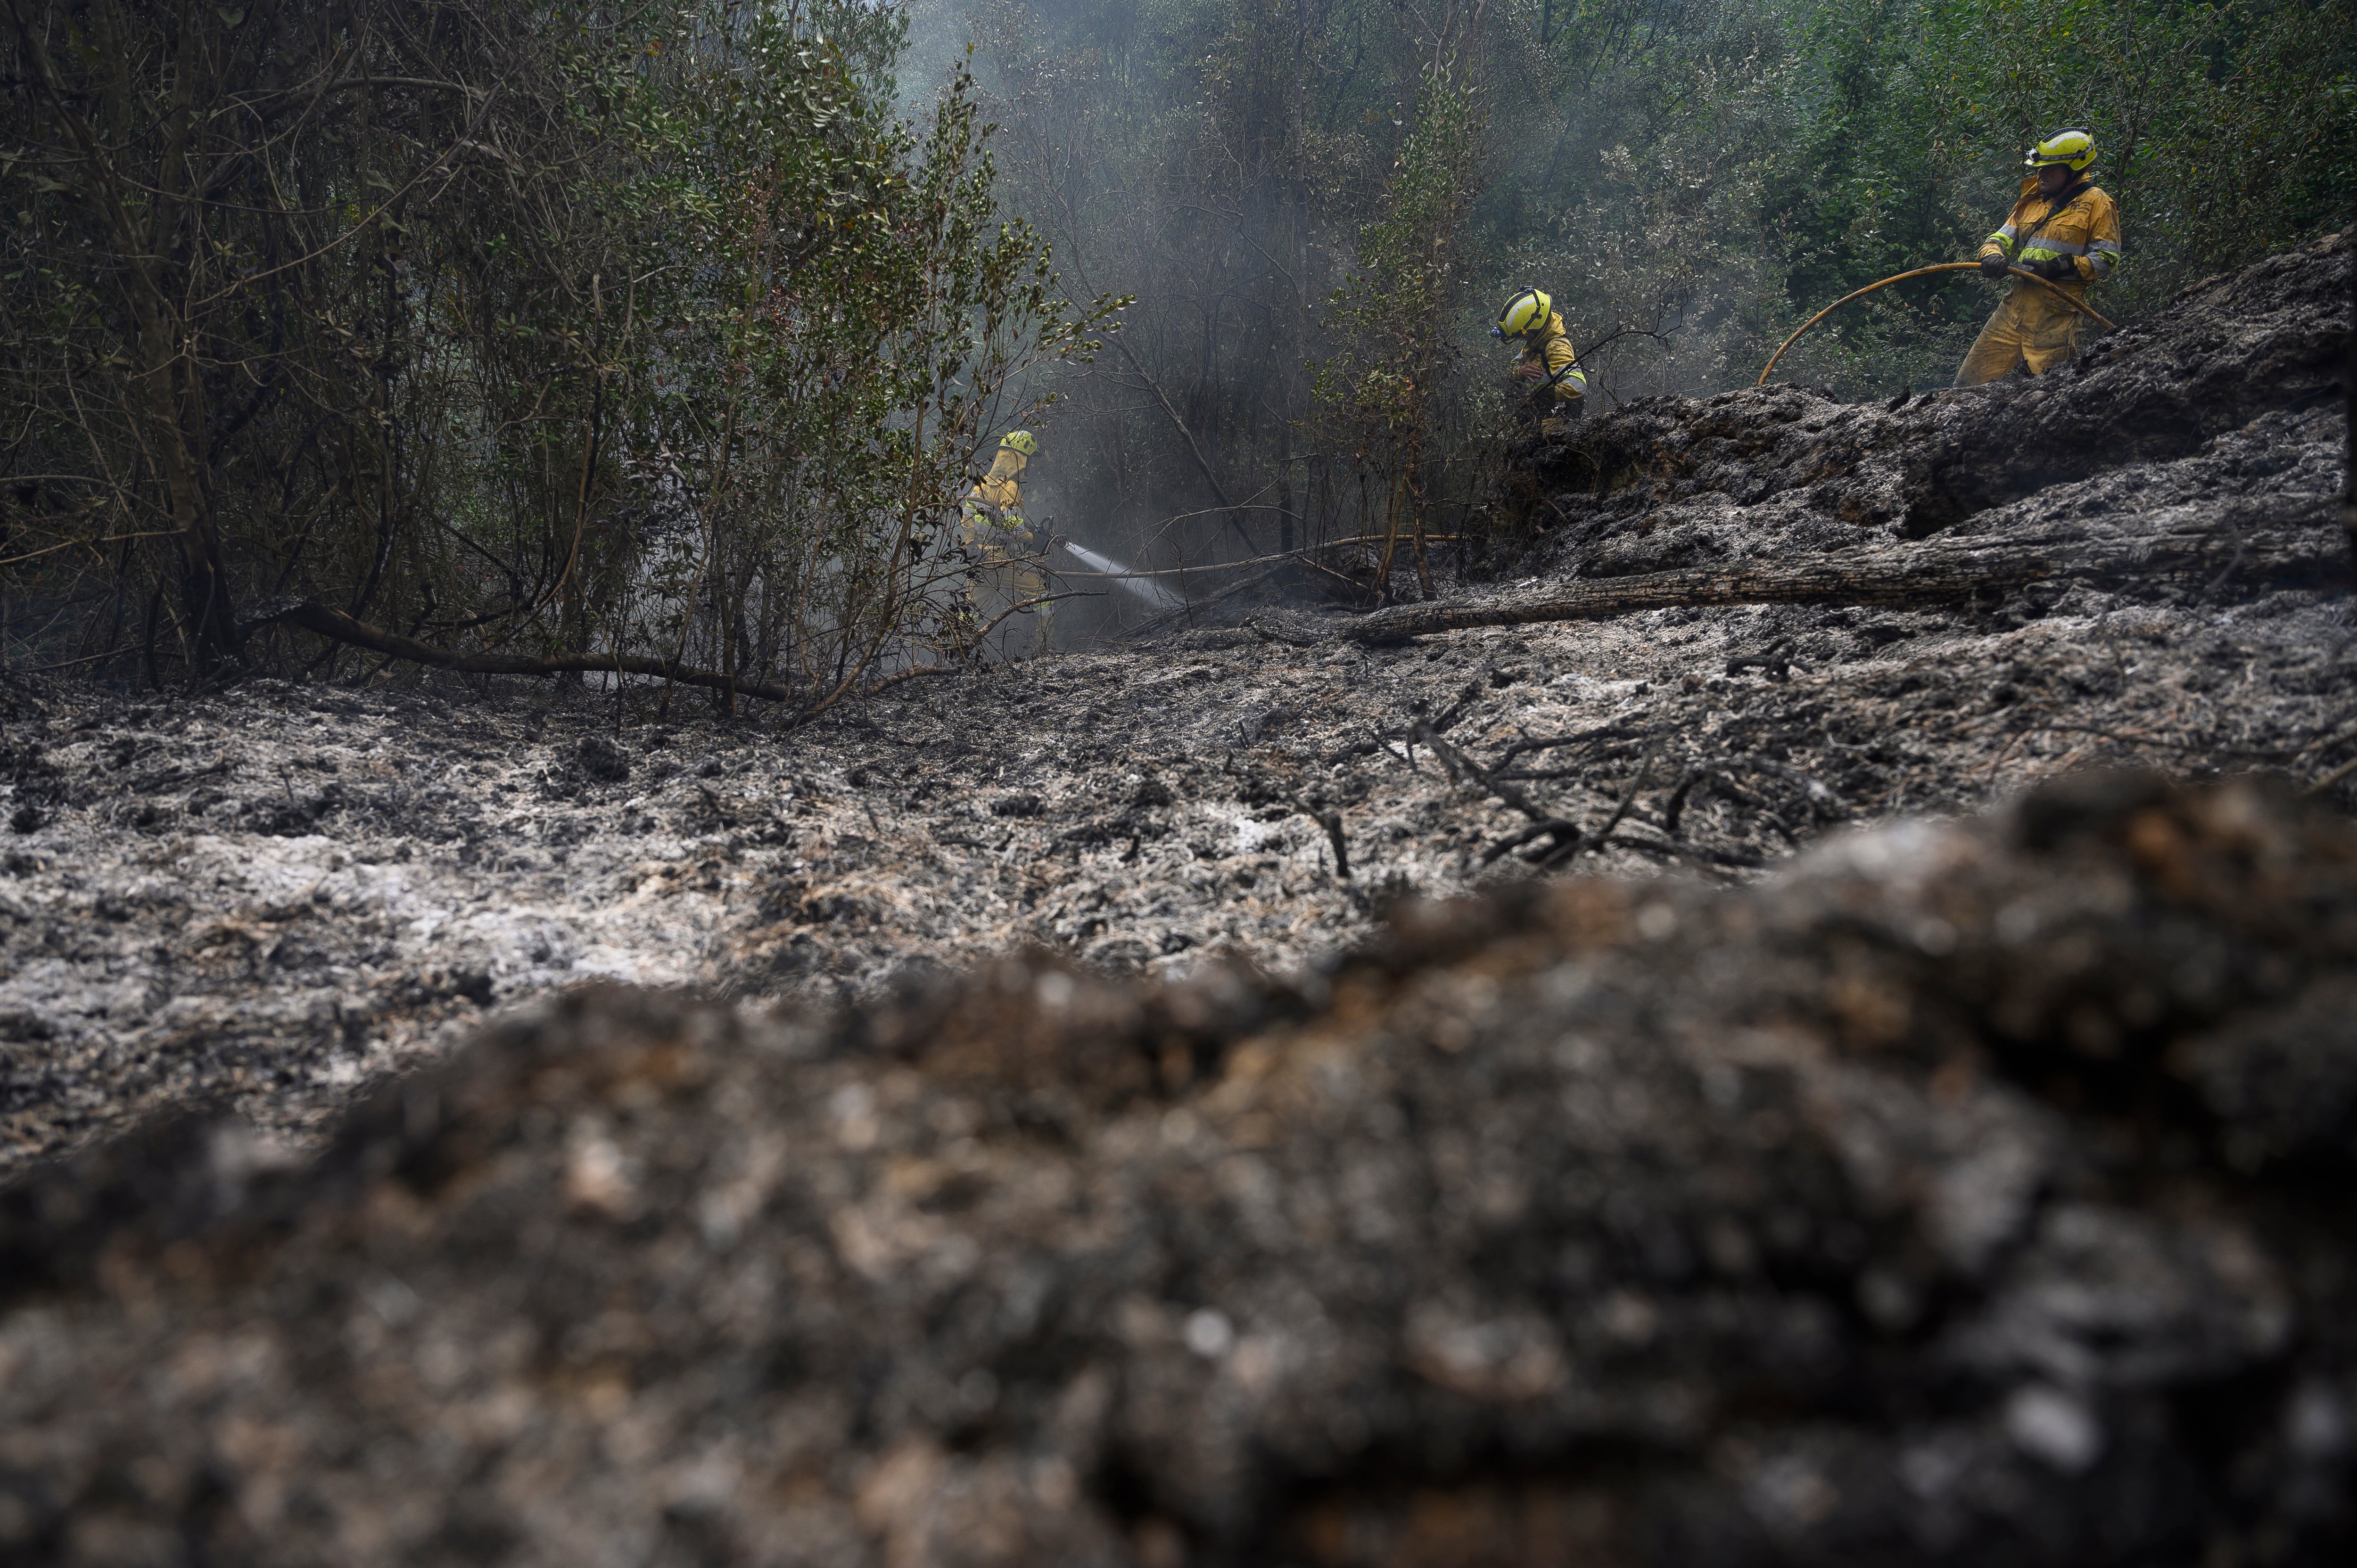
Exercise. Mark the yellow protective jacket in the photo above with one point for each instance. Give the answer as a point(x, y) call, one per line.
point(2084, 226)
point(1551, 349)
point(996, 505)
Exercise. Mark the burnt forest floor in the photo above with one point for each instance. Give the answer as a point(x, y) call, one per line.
point(279, 894)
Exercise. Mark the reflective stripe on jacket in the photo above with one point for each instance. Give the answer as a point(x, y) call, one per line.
point(2086, 229)
point(998, 499)
point(1551, 348)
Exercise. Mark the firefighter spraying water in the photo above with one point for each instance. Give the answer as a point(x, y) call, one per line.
point(994, 528)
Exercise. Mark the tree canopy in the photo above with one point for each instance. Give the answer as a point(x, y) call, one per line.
point(660, 337)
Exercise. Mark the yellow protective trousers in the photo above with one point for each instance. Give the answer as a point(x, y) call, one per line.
point(2034, 326)
point(1006, 577)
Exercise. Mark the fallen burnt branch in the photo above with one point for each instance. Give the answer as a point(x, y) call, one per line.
point(1775, 662)
point(2330, 779)
point(1896, 576)
point(975, 642)
point(1565, 837)
point(1163, 620)
point(1471, 694)
point(316, 617)
point(1629, 797)
point(912, 673)
point(1692, 854)
point(1565, 834)
point(1504, 766)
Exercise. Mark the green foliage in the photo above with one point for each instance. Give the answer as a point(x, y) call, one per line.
point(850, 313)
point(1690, 178)
point(654, 326)
point(2225, 133)
point(641, 328)
point(1391, 320)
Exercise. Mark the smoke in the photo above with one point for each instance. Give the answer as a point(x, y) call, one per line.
point(1687, 179)
point(939, 31)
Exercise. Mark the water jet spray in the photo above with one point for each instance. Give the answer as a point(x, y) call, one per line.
point(1162, 598)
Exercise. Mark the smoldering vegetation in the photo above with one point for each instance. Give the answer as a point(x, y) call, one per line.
point(667, 347)
point(1318, 207)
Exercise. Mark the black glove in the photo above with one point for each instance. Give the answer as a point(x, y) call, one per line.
point(2060, 269)
point(1993, 266)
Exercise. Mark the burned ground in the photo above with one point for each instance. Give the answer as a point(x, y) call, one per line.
point(281, 896)
point(1959, 1195)
point(1950, 1193)
point(2219, 402)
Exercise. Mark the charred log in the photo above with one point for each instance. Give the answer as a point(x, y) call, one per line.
point(337, 626)
point(1912, 576)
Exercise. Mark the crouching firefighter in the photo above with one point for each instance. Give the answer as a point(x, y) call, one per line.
point(1549, 369)
point(2062, 229)
point(994, 530)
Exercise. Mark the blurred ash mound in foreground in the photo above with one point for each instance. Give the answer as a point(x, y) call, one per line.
point(1974, 1193)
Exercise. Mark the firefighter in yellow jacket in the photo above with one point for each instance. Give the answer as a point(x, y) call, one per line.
point(1549, 366)
point(995, 529)
point(2064, 228)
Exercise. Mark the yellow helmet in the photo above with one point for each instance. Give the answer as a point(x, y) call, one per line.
point(1022, 441)
point(1526, 312)
point(2069, 146)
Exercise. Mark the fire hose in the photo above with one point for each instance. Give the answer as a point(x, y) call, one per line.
point(2075, 303)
